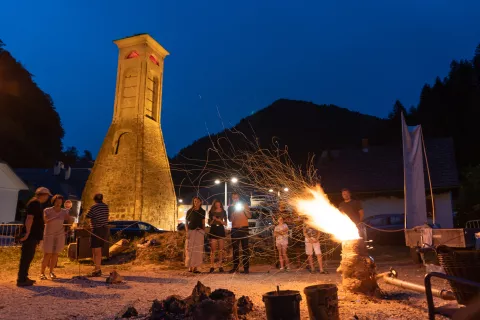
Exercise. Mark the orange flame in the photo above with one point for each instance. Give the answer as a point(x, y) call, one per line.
point(322, 215)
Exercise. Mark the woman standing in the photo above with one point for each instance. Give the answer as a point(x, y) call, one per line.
point(217, 221)
point(53, 235)
point(195, 227)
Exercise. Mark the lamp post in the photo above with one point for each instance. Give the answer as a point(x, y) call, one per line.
point(278, 191)
point(233, 180)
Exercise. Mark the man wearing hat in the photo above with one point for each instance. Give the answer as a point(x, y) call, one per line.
point(98, 215)
point(34, 225)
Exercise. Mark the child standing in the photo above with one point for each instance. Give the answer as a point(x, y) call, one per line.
point(281, 240)
point(312, 244)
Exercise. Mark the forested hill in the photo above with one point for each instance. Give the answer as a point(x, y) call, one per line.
point(30, 129)
point(306, 128)
point(303, 126)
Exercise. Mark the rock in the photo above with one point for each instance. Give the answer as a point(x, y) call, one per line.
point(173, 307)
point(226, 296)
point(127, 312)
point(212, 310)
point(114, 278)
point(200, 292)
point(202, 304)
point(244, 305)
point(118, 247)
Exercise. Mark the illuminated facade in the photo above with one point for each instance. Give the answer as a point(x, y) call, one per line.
point(132, 169)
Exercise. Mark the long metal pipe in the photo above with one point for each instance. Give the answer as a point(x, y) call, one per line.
point(443, 294)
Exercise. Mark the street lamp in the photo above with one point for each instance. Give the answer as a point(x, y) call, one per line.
point(233, 180)
point(180, 200)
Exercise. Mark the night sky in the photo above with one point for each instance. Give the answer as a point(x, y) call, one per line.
point(229, 59)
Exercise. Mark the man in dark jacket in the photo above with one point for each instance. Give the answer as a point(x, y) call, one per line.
point(34, 234)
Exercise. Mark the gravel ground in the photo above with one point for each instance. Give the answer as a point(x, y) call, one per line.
point(69, 298)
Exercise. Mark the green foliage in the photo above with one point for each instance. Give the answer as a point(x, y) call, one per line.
point(468, 205)
point(30, 126)
point(70, 156)
point(451, 108)
point(87, 156)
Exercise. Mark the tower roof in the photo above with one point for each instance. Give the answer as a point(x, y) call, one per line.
point(142, 38)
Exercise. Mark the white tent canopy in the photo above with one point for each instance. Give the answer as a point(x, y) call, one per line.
point(10, 185)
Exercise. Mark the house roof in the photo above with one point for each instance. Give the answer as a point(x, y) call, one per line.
point(71, 188)
point(381, 168)
point(9, 180)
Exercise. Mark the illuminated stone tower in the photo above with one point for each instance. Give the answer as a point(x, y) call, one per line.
point(132, 169)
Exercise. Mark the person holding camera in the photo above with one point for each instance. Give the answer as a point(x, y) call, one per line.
point(238, 214)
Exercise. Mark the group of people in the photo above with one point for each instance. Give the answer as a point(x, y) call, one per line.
point(44, 223)
point(238, 214)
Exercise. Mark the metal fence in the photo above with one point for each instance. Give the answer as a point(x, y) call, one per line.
point(11, 233)
point(473, 224)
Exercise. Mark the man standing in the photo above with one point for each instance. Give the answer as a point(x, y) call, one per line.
point(354, 210)
point(98, 215)
point(238, 214)
point(34, 226)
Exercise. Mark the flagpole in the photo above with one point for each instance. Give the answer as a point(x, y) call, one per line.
point(429, 179)
point(404, 172)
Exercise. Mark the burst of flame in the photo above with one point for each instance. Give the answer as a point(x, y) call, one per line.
point(322, 215)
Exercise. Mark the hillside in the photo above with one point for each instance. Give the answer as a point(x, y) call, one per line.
point(30, 128)
point(306, 128)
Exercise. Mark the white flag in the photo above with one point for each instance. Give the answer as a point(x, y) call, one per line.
point(415, 200)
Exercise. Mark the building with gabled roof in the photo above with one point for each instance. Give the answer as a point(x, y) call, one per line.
point(374, 174)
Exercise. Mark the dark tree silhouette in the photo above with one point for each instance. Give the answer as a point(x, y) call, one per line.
point(70, 156)
point(30, 128)
point(87, 156)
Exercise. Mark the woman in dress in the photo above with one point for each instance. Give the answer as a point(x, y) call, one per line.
point(217, 221)
point(195, 228)
point(53, 235)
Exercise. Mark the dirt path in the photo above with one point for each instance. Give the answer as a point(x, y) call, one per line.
point(93, 299)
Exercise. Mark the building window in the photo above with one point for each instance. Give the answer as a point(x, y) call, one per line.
point(151, 97)
point(133, 54)
point(120, 140)
point(154, 59)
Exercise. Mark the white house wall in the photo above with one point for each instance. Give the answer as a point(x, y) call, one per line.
point(383, 205)
point(391, 205)
point(8, 205)
point(444, 210)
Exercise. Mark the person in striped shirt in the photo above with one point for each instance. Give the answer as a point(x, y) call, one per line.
point(98, 215)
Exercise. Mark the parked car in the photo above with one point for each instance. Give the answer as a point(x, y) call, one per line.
point(385, 225)
point(261, 221)
point(132, 229)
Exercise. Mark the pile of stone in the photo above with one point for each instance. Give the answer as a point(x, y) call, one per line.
point(220, 304)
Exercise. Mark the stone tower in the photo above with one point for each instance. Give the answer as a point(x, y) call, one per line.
point(132, 169)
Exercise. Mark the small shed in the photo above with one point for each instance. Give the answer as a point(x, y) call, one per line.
point(10, 185)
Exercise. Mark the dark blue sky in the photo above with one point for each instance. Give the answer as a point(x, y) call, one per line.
point(237, 57)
